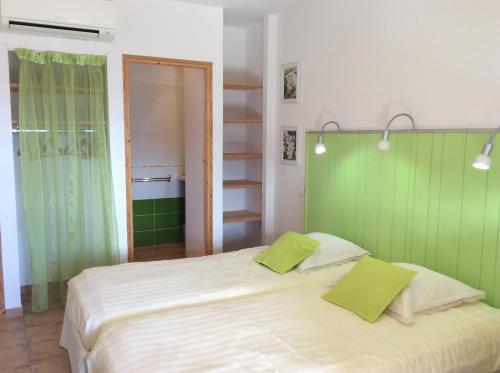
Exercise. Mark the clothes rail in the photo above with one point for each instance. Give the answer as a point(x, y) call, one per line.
point(15, 130)
point(168, 179)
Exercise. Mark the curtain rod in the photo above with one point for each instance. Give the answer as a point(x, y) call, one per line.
point(419, 130)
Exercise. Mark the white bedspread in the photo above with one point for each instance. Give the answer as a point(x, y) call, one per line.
point(295, 330)
point(101, 295)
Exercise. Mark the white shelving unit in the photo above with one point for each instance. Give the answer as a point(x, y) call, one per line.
point(243, 130)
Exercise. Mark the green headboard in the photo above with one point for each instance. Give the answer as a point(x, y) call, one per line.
point(420, 202)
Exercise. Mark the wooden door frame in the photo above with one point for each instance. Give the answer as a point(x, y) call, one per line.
point(207, 68)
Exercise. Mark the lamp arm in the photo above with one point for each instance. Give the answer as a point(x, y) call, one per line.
point(401, 115)
point(493, 134)
point(327, 123)
point(320, 137)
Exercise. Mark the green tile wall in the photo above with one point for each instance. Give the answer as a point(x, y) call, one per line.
point(158, 221)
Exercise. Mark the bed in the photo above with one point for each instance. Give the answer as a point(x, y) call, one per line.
point(103, 295)
point(227, 313)
point(295, 330)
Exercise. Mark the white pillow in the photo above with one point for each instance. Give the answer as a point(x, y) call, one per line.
point(430, 292)
point(332, 250)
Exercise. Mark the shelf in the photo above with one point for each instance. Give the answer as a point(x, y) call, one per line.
point(242, 86)
point(241, 184)
point(242, 156)
point(241, 216)
point(242, 120)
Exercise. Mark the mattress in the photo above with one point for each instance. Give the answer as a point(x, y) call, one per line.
point(295, 330)
point(102, 295)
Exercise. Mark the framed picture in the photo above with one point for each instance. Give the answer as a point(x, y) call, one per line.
point(289, 145)
point(290, 78)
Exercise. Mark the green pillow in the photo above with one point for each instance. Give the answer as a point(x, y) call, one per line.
point(287, 251)
point(370, 287)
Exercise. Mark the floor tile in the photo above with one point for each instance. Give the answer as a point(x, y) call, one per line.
point(43, 330)
point(42, 333)
point(55, 365)
point(15, 357)
point(41, 318)
point(23, 369)
point(11, 324)
point(45, 350)
point(11, 338)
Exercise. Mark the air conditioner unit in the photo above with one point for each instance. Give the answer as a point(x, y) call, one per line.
point(82, 19)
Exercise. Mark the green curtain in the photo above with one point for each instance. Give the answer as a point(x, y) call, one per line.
point(65, 168)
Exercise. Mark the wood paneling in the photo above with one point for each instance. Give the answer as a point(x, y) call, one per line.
point(420, 202)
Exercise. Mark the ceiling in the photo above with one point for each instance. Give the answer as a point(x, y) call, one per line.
point(245, 8)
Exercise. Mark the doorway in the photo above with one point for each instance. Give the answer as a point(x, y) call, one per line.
point(168, 142)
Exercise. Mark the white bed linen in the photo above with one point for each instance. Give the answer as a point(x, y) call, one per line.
point(295, 330)
point(101, 295)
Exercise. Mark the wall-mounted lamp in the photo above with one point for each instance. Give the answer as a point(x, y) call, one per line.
point(483, 160)
point(320, 147)
point(384, 143)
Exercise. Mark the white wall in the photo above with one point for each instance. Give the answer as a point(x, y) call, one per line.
point(194, 114)
point(150, 28)
point(157, 129)
point(363, 61)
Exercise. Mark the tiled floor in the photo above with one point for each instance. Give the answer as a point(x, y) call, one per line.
point(31, 343)
point(159, 252)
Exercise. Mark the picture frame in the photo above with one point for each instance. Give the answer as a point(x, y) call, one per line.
point(289, 145)
point(290, 82)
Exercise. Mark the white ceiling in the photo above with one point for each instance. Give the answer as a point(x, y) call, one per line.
point(245, 8)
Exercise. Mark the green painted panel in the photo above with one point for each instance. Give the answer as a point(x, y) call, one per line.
point(420, 202)
point(434, 193)
point(419, 224)
point(450, 203)
point(490, 245)
point(362, 181)
point(350, 185)
point(371, 200)
point(402, 147)
point(472, 217)
point(386, 202)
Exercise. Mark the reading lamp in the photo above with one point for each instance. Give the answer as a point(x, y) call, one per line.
point(483, 160)
point(320, 147)
point(384, 143)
